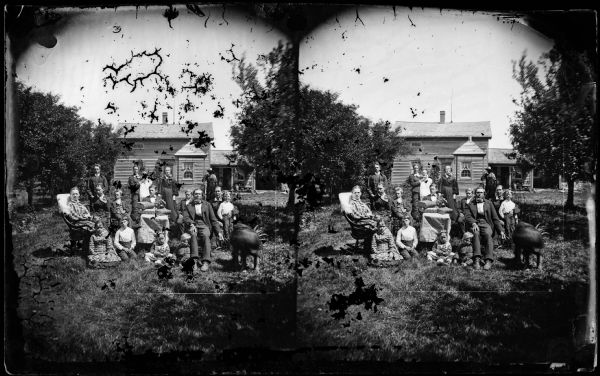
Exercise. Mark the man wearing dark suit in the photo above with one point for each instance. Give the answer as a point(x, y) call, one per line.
point(182, 208)
point(94, 181)
point(482, 219)
point(498, 197)
point(462, 208)
point(373, 182)
point(200, 218)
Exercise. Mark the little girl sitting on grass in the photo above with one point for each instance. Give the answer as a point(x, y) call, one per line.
point(442, 250)
point(159, 250)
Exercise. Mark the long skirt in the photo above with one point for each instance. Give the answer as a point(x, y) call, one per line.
point(447, 192)
point(168, 197)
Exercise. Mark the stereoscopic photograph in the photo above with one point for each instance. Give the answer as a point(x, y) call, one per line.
point(299, 188)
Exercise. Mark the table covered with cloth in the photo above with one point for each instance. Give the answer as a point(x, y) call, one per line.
point(432, 224)
point(145, 233)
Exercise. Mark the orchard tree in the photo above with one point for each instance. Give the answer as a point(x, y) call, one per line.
point(52, 143)
point(554, 124)
point(56, 147)
point(329, 140)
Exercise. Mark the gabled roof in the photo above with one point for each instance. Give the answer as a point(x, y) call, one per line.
point(500, 156)
point(168, 131)
point(469, 148)
point(431, 129)
point(190, 150)
point(219, 158)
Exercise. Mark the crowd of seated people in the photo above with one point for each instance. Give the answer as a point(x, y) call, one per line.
point(114, 225)
point(478, 224)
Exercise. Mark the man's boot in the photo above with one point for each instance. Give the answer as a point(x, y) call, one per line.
point(477, 263)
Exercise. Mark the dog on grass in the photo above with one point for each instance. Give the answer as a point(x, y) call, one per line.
point(244, 241)
point(528, 241)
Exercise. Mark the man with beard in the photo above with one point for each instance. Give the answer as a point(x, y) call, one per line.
point(483, 221)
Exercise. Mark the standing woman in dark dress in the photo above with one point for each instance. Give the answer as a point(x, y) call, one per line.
point(134, 185)
point(448, 187)
point(168, 189)
point(118, 211)
point(101, 206)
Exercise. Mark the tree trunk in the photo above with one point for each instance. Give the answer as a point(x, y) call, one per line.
point(29, 188)
point(291, 195)
point(570, 193)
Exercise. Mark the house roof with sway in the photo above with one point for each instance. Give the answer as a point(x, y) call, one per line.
point(219, 158)
point(469, 148)
point(190, 150)
point(166, 131)
point(410, 129)
point(500, 156)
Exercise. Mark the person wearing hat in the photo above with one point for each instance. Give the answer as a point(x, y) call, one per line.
point(211, 184)
point(490, 183)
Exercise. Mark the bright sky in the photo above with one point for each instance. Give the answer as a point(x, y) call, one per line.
point(461, 55)
point(73, 68)
point(448, 54)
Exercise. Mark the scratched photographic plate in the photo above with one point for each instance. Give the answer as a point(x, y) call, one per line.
point(445, 77)
point(166, 75)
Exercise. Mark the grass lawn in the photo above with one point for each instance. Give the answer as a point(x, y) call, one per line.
point(444, 313)
point(71, 313)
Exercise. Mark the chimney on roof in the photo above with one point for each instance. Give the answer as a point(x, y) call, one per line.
point(164, 118)
point(442, 117)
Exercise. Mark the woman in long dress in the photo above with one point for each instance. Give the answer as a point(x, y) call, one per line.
point(78, 214)
point(168, 189)
point(359, 211)
point(448, 187)
point(102, 252)
point(383, 246)
point(145, 184)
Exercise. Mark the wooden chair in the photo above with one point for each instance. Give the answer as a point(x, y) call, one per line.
point(357, 232)
point(79, 237)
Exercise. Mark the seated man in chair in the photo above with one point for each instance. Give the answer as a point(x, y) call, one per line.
point(199, 218)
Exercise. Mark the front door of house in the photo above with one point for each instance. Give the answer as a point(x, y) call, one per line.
point(226, 179)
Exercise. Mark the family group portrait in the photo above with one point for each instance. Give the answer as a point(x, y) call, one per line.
point(299, 188)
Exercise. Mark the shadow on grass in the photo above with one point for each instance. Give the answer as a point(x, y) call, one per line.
point(346, 249)
point(197, 322)
point(503, 326)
